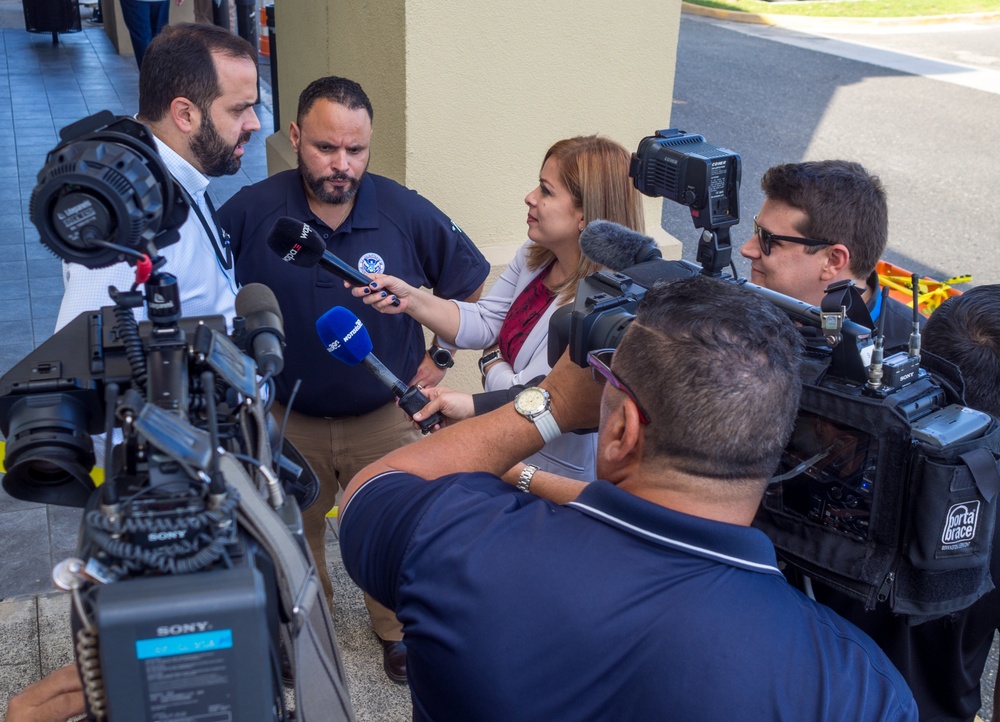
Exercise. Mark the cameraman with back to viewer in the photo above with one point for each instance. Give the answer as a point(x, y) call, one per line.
point(823, 222)
point(683, 607)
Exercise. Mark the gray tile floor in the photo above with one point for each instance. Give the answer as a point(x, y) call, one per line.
point(43, 87)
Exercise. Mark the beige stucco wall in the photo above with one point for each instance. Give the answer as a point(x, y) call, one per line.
point(469, 95)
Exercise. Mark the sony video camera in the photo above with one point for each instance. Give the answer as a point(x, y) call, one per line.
point(887, 489)
point(192, 578)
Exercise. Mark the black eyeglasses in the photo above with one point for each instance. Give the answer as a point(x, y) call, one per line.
point(600, 368)
point(766, 238)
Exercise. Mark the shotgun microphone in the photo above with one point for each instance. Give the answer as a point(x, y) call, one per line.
point(264, 327)
point(616, 247)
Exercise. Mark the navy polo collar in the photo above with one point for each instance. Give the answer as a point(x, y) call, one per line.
point(363, 215)
point(738, 546)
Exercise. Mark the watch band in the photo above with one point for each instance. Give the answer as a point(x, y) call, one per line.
point(486, 359)
point(524, 480)
point(546, 424)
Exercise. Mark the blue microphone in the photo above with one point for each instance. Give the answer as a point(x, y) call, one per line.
point(347, 340)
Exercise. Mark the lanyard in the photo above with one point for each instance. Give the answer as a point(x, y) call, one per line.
point(225, 253)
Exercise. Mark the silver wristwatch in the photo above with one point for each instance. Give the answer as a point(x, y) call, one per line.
point(488, 358)
point(534, 404)
point(524, 480)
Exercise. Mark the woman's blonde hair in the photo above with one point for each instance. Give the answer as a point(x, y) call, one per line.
point(595, 170)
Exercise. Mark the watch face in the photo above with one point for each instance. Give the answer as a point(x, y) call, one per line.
point(531, 401)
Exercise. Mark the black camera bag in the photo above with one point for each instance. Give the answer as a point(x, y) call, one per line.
point(862, 506)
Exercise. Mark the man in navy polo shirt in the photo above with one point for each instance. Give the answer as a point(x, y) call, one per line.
point(343, 418)
point(648, 596)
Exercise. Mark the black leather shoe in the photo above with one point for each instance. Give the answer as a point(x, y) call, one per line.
point(394, 660)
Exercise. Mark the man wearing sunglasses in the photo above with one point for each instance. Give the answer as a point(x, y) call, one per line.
point(823, 222)
point(648, 596)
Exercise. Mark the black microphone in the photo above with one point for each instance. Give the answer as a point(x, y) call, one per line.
point(298, 243)
point(616, 247)
point(265, 330)
point(346, 338)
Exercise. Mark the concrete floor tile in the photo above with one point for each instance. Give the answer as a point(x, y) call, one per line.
point(11, 354)
point(12, 253)
point(27, 574)
point(44, 267)
point(64, 530)
point(55, 637)
point(12, 236)
point(9, 503)
point(18, 632)
point(19, 328)
point(46, 306)
point(25, 558)
point(49, 286)
point(13, 270)
point(14, 678)
point(41, 328)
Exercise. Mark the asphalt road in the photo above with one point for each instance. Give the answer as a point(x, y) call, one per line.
point(918, 106)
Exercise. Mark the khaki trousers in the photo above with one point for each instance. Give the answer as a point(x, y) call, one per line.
point(337, 449)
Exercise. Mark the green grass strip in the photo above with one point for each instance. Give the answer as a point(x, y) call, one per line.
point(856, 8)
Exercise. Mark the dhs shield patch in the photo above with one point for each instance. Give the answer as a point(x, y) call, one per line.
point(371, 263)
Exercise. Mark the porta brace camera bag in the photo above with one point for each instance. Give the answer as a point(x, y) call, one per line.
point(861, 505)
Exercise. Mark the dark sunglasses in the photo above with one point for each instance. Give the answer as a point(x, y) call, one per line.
point(766, 238)
point(600, 368)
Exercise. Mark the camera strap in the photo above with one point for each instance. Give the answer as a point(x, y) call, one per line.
point(844, 295)
point(320, 683)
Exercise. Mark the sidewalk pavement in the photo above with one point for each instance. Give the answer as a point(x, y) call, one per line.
point(837, 24)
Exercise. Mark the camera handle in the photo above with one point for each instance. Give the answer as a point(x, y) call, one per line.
point(715, 251)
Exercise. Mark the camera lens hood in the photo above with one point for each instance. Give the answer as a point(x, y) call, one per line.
point(104, 191)
point(49, 452)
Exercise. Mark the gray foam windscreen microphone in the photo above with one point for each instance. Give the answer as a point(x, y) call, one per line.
point(614, 246)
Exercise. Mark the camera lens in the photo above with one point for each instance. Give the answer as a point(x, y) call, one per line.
point(49, 452)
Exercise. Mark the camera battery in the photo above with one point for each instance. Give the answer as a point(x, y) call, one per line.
point(187, 647)
point(950, 425)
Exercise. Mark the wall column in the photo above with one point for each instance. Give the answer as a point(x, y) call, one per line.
point(469, 95)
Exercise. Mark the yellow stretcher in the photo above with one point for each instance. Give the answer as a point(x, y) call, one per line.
point(931, 293)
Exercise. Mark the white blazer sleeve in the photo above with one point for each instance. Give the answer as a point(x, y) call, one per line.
point(480, 322)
